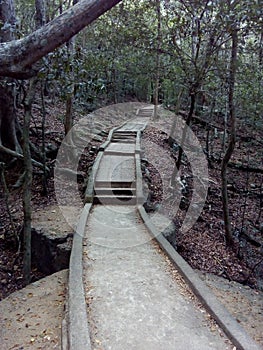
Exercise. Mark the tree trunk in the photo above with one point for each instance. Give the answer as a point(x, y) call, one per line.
point(7, 116)
point(68, 123)
point(27, 183)
point(40, 13)
point(8, 19)
point(43, 136)
point(231, 145)
point(7, 106)
point(188, 121)
point(260, 53)
point(173, 128)
point(181, 148)
point(157, 76)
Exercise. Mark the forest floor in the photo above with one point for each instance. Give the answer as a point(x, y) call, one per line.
point(204, 248)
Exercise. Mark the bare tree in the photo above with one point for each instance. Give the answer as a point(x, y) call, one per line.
point(232, 141)
point(157, 75)
point(27, 184)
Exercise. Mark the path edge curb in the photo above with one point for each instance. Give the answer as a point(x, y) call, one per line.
point(225, 320)
point(76, 327)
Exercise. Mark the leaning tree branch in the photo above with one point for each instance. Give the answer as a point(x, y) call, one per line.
point(18, 57)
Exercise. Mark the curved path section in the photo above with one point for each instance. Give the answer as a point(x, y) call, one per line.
point(123, 291)
point(133, 300)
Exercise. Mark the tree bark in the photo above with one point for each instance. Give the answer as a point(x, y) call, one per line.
point(181, 148)
point(27, 183)
point(40, 13)
point(188, 121)
point(157, 76)
point(8, 19)
point(260, 52)
point(7, 107)
point(231, 145)
point(8, 116)
point(68, 122)
point(18, 57)
point(176, 111)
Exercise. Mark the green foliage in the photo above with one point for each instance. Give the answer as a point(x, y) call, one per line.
point(115, 60)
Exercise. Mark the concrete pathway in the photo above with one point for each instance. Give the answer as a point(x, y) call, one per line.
point(133, 295)
point(133, 300)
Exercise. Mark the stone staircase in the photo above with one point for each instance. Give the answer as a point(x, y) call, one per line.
point(116, 180)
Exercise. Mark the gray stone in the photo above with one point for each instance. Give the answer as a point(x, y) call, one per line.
point(50, 252)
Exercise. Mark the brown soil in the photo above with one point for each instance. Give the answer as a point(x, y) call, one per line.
point(244, 303)
point(204, 246)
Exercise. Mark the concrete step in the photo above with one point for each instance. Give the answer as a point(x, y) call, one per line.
point(118, 200)
point(125, 132)
point(124, 136)
point(101, 191)
point(120, 148)
point(114, 184)
point(120, 152)
point(146, 113)
point(146, 110)
point(123, 139)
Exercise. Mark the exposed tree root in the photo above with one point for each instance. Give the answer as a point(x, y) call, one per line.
point(20, 156)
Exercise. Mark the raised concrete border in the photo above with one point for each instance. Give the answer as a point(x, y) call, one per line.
point(109, 138)
point(138, 170)
point(76, 335)
point(225, 320)
point(138, 175)
point(107, 142)
point(138, 143)
point(89, 193)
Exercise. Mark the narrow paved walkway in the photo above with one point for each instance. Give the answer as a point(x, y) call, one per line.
point(133, 300)
point(116, 180)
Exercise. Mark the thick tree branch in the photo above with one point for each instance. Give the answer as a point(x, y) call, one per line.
point(17, 57)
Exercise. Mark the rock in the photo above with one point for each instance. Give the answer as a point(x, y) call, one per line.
point(184, 204)
point(94, 148)
point(51, 252)
point(170, 234)
point(51, 150)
